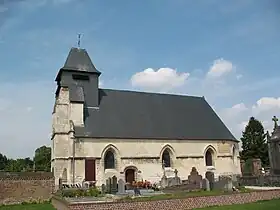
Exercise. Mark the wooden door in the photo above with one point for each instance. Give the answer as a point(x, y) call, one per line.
point(90, 170)
point(130, 175)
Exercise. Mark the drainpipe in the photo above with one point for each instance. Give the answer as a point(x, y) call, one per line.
point(73, 160)
point(74, 149)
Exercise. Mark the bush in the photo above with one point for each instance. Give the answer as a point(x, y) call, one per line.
point(93, 191)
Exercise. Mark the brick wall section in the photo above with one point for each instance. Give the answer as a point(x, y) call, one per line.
point(25, 187)
point(178, 204)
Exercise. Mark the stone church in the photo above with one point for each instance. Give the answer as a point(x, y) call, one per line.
point(99, 133)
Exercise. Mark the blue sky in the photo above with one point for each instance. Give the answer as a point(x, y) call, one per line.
point(227, 51)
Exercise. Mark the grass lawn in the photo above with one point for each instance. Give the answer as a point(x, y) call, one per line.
point(181, 195)
point(28, 207)
point(261, 205)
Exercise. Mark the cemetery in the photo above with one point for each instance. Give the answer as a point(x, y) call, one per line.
point(116, 192)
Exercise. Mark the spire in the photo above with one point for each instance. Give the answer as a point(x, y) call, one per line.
point(79, 60)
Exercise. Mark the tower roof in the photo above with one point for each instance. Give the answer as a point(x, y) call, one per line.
point(79, 60)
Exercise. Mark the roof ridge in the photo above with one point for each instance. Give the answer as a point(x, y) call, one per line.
point(148, 93)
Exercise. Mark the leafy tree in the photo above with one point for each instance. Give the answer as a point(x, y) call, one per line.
point(42, 159)
point(19, 165)
point(3, 162)
point(254, 143)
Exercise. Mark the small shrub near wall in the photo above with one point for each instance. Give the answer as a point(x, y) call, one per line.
point(76, 192)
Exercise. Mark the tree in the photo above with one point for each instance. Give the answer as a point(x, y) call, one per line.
point(3, 162)
point(19, 165)
point(254, 143)
point(42, 159)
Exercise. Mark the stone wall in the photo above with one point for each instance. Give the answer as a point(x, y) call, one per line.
point(147, 159)
point(268, 180)
point(25, 187)
point(178, 204)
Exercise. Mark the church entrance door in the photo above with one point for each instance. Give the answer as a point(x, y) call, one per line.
point(90, 170)
point(130, 175)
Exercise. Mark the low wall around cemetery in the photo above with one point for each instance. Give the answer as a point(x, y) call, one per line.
point(25, 187)
point(178, 204)
point(268, 180)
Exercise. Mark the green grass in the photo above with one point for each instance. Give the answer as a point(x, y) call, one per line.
point(46, 206)
point(180, 195)
point(261, 205)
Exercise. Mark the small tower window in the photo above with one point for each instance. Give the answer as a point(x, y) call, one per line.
point(80, 77)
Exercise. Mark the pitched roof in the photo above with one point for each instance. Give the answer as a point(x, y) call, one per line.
point(79, 60)
point(140, 115)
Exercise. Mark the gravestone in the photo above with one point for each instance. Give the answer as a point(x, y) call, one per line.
point(195, 179)
point(121, 186)
point(211, 178)
point(164, 181)
point(176, 180)
point(108, 185)
point(137, 191)
point(224, 183)
point(205, 184)
point(103, 188)
point(114, 186)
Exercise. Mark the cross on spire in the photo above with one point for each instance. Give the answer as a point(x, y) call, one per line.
point(275, 119)
point(79, 40)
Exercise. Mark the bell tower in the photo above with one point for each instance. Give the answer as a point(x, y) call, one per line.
point(77, 90)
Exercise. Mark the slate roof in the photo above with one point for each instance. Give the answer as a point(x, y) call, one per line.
point(137, 115)
point(79, 60)
point(129, 114)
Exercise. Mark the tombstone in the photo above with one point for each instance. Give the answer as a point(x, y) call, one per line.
point(176, 180)
point(103, 188)
point(60, 185)
point(224, 183)
point(164, 181)
point(114, 186)
point(229, 185)
point(195, 179)
point(121, 186)
point(176, 173)
point(205, 184)
point(257, 165)
point(137, 191)
point(211, 178)
point(108, 185)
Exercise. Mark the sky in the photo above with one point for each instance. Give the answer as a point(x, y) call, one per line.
point(226, 51)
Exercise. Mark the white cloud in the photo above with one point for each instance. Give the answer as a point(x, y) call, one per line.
point(220, 68)
point(266, 104)
point(163, 78)
point(237, 117)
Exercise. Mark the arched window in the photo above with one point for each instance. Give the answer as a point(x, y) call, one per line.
point(209, 157)
point(166, 160)
point(233, 154)
point(109, 160)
